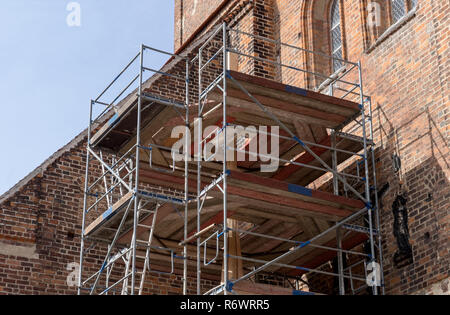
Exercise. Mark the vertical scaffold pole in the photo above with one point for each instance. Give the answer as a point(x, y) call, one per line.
point(136, 188)
point(186, 181)
point(335, 162)
point(340, 261)
point(366, 166)
point(86, 187)
point(225, 212)
point(377, 203)
point(198, 138)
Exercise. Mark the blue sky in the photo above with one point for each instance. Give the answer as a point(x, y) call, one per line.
point(50, 71)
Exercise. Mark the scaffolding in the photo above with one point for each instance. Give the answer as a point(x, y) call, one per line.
point(133, 188)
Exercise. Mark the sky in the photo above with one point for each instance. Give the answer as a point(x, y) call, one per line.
point(50, 69)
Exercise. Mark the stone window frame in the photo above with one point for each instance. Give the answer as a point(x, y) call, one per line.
point(411, 7)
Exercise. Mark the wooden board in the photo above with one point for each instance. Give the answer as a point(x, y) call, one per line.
point(109, 215)
point(287, 102)
point(318, 257)
point(121, 127)
point(250, 288)
point(301, 200)
point(302, 175)
point(282, 91)
point(309, 256)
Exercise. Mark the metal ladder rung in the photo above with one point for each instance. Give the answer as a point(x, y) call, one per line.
point(146, 211)
point(145, 226)
point(142, 242)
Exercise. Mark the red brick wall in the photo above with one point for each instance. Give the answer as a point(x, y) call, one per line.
point(406, 75)
point(44, 215)
point(40, 234)
point(189, 15)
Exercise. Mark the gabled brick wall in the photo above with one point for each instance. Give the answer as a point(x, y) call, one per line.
point(43, 219)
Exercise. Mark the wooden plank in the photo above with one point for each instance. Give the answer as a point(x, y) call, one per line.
point(256, 220)
point(275, 186)
point(163, 211)
point(305, 158)
point(247, 287)
point(298, 254)
point(268, 184)
point(297, 174)
point(304, 131)
point(108, 215)
point(286, 232)
point(248, 240)
point(271, 87)
point(266, 215)
point(289, 107)
point(175, 229)
point(121, 113)
point(259, 244)
point(283, 115)
point(307, 257)
point(193, 237)
point(235, 266)
point(163, 266)
point(250, 196)
point(321, 257)
point(151, 126)
point(322, 225)
point(217, 219)
point(309, 227)
point(305, 176)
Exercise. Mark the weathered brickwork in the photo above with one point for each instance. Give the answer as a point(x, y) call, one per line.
point(405, 70)
point(44, 216)
point(41, 228)
point(189, 15)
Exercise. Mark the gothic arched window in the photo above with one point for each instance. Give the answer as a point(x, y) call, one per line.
point(398, 10)
point(336, 34)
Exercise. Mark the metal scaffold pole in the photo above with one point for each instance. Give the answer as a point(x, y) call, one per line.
point(377, 202)
point(187, 158)
point(366, 167)
point(225, 139)
point(198, 155)
point(136, 187)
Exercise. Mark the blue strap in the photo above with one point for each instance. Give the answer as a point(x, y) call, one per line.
point(299, 141)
